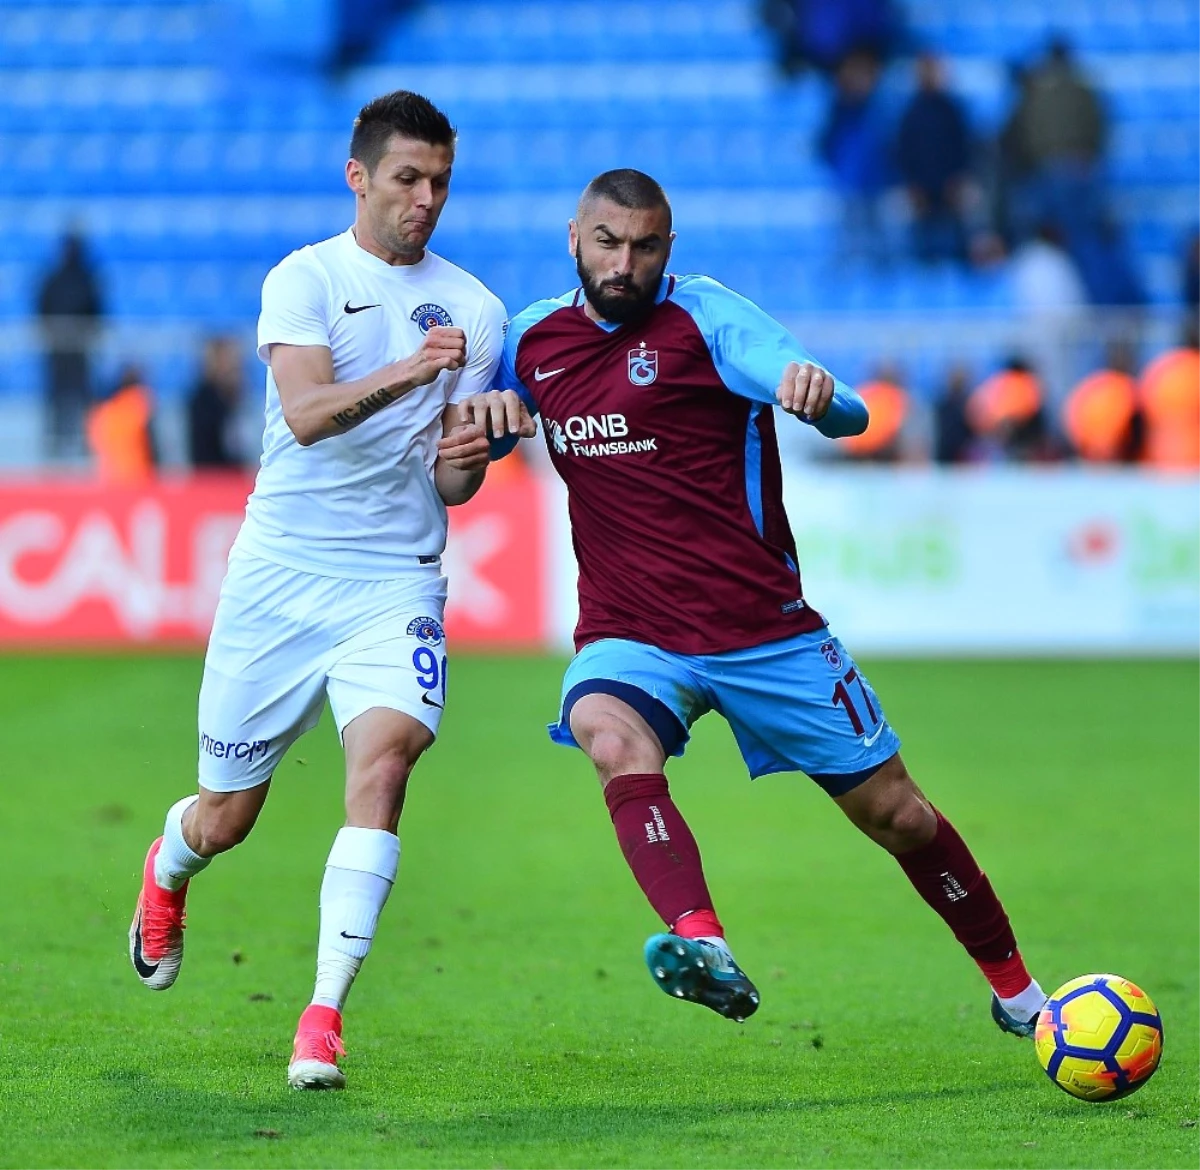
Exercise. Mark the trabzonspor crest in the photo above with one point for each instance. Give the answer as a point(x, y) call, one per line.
point(427, 630)
point(643, 366)
point(429, 315)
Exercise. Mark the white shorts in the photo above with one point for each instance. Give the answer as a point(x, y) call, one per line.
point(283, 640)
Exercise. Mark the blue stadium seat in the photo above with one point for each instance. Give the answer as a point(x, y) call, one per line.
point(195, 179)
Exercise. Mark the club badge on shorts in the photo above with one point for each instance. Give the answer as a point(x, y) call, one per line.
point(831, 655)
point(643, 366)
point(428, 315)
point(427, 630)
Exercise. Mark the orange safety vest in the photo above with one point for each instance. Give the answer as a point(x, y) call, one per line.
point(1098, 414)
point(888, 407)
point(118, 433)
point(1170, 395)
point(1009, 396)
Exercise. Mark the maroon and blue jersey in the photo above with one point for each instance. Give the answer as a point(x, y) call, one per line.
point(664, 434)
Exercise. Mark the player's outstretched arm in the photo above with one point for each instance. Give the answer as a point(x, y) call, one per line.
point(317, 407)
point(749, 348)
point(814, 396)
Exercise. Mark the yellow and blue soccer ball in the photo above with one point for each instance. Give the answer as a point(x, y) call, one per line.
point(1099, 1037)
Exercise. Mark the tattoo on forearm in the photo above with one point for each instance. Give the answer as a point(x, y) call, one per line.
point(364, 408)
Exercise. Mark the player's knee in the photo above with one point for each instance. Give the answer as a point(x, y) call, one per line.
point(388, 774)
point(375, 794)
point(911, 823)
point(891, 810)
point(616, 750)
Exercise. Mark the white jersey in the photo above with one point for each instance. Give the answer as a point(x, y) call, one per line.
point(362, 505)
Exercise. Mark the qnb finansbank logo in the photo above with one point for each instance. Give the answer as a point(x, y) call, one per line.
point(594, 435)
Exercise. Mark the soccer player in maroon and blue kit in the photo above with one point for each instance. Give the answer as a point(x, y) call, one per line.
point(656, 394)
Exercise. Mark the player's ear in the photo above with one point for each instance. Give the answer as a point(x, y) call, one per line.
point(670, 245)
point(356, 176)
point(572, 237)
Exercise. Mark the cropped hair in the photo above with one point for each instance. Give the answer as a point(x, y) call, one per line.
point(626, 188)
point(404, 113)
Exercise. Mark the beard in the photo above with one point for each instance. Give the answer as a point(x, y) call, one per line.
point(620, 301)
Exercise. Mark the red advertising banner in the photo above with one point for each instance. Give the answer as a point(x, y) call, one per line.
point(82, 563)
point(497, 563)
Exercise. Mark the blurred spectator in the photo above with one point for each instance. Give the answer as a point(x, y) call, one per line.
point(1056, 136)
point(1191, 274)
point(933, 148)
point(1100, 416)
point(1051, 304)
point(821, 34)
point(1060, 118)
point(1007, 412)
point(1054, 145)
point(69, 307)
point(855, 143)
point(119, 431)
point(213, 407)
point(1169, 391)
point(952, 435)
point(888, 404)
point(1008, 165)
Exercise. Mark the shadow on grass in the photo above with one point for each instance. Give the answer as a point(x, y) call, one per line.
point(160, 1117)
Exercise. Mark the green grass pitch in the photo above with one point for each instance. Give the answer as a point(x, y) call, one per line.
point(505, 1018)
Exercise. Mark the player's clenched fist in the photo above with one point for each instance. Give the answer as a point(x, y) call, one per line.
point(465, 448)
point(499, 412)
point(805, 391)
point(444, 348)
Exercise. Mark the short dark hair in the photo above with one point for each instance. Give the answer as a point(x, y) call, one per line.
point(626, 188)
point(403, 112)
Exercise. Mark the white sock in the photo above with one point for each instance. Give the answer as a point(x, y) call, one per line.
point(175, 862)
point(1026, 1005)
point(359, 874)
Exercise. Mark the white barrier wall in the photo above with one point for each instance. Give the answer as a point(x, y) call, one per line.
point(984, 561)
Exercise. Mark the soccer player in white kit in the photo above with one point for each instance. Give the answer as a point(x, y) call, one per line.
point(334, 588)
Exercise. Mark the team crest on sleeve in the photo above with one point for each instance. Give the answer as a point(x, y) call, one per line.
point(428, 315)
point(427, 630)
point(643, 366)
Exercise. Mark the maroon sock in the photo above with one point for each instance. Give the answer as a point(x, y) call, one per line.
point(658, 845)
point(946, 875)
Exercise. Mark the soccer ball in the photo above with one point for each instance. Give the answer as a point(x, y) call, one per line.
point(1099, 1037)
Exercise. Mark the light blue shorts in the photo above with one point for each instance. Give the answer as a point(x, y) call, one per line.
point(798, 704)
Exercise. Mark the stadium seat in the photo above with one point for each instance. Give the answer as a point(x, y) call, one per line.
point(194, 174)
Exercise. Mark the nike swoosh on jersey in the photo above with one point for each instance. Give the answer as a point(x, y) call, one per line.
point(541, 376)
point(348, 308)
point(139, 963)
point(869, 740)
point(427, 700)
